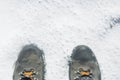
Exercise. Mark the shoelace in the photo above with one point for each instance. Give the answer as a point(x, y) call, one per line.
point(28, 75)
point(83, 74)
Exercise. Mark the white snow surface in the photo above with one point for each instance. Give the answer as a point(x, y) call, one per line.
point(56, 27)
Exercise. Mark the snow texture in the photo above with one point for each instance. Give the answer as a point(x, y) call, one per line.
point(56, 27)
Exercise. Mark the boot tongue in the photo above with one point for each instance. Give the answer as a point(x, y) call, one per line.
point(25, 78)
point(85, 78)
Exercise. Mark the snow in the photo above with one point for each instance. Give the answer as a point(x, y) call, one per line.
point(57, 26)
